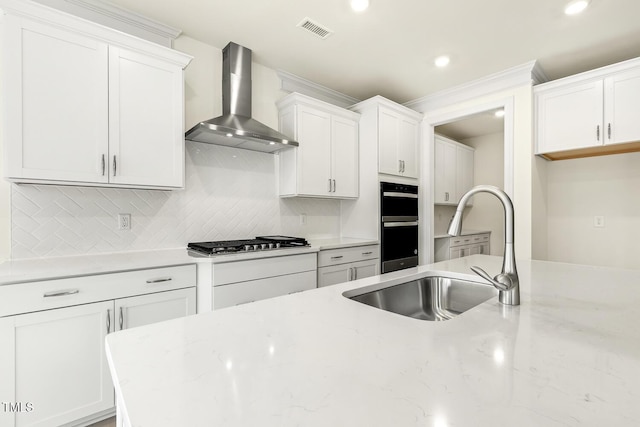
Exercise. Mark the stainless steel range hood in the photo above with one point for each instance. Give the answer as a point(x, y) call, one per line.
point(236, 128)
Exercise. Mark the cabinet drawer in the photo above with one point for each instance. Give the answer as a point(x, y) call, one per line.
point(254, 290)
point(345, 255)
point(242, 271)
point(48, 294)
point(468, 239)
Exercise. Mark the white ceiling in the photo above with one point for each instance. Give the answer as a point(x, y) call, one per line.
point(389, 49)
point(480, 124)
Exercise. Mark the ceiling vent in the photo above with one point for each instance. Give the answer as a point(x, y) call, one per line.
point(315, 28)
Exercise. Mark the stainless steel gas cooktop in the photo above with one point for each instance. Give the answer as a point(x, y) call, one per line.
point(260, 243)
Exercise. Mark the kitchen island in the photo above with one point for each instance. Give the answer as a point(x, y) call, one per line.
point(569, 355)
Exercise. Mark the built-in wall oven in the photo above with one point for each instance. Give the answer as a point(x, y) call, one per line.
point(398, 226)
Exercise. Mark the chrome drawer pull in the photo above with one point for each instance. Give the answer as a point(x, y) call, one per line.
point(367, 253)
point(61, 293)
point(108, 321)
point(161, 279)
point(337, 257)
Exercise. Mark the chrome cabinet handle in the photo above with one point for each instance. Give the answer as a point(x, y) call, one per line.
point(121, 318)
point(367, 253)
point(61, 293)
point(115, 165)
point(108, 320)
point(337, 257)
point(446, 197)
point(329, 185)
point(598, 132)
point(350, 274)
point(609, 130)
point(103, 165)
point(334, 185)
point(355, 273)
point(159, 280)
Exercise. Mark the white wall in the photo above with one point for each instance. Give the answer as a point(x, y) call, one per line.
point(230, 193)
point(524, 166)
point(580, 189)
point(487, 212)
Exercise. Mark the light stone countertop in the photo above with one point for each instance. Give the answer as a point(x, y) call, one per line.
point(36, 269)
point(569, 355)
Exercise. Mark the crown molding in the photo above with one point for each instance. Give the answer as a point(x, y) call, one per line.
point(527, 73)
point(114, 16)
point(292, 83)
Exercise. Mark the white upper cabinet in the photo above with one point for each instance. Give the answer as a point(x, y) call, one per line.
point(146, 139)
point(85, 105)
point(397, 131)
point(589, 113)
point(326, 162)
point(454, 169)
point(56, 103)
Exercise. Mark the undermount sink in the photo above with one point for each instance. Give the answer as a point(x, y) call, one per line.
point(434, 298)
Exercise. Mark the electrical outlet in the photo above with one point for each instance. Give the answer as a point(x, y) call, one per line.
point(124, 221)
point(303, 219)
point(598, 221)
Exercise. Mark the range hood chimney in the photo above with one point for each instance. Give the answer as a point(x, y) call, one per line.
point(235, 127)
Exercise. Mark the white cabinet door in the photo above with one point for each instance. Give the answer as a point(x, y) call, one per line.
point(334, 274)
point(388, 131)
point(408, 147)
point(146, 143)
point(58, 362)
point(56, 105)
point(621, 105)
point(464, 171)
point(152, 308)
point(445, 172)
point(362, 269)
point(344, 157)
point(314, 154)
point(570, 117)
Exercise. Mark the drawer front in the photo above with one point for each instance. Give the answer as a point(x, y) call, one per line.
point(49, 294)
point(480, 238)
point(243, 271)
point(254, 290)
point(345, 255)
point(469, 239)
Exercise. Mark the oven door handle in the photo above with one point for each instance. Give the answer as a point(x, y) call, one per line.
point(400, 224)
point(397, 194)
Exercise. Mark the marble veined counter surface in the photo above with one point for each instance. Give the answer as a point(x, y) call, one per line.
point(568, 356)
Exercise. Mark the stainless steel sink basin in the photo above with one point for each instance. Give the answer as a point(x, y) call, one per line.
point(433, 298)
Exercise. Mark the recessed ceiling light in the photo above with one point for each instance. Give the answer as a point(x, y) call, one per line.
point(499, 113)
point(359, 5)
point(576, 6)
point(442, 61)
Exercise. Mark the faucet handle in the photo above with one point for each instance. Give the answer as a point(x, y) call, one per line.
point(502, 281)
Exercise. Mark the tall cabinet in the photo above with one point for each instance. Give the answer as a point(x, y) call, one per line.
point(87, 105)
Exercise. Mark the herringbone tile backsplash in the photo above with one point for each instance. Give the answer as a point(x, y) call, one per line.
point(230, 194)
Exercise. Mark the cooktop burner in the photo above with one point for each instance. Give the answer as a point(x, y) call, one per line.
point(260, 243)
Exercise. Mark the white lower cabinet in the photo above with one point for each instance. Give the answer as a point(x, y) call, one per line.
point(346, 264)
point(56, 361)
point(153, 308)
point(460, 246)
point(241, 282)
point(52, 359)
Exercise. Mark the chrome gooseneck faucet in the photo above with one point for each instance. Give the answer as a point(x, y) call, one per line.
point(507, 281)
